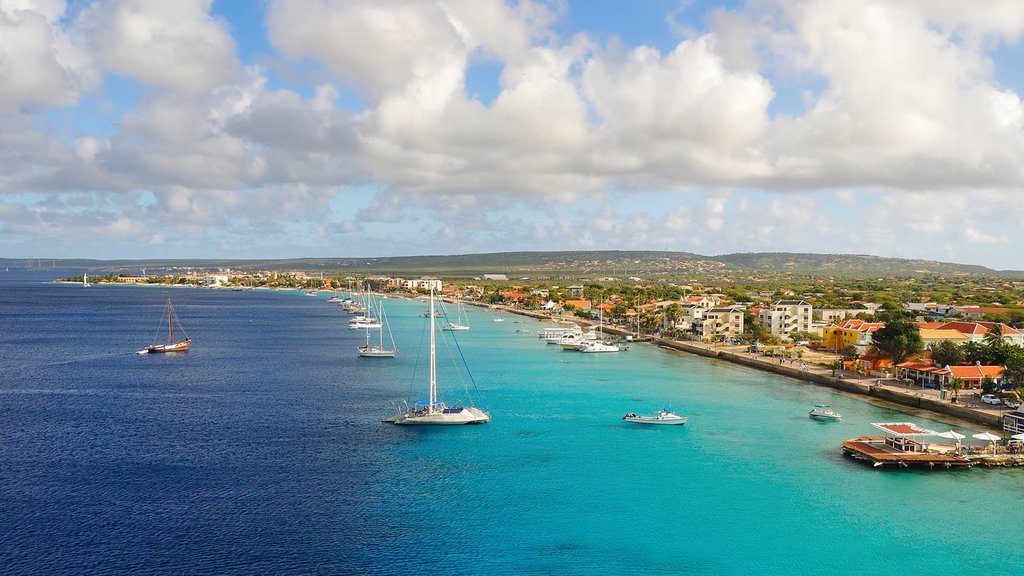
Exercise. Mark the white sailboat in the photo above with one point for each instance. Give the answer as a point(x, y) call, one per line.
point(85, 280)
point(461, 322)
point(433, 411)
point(378, 350)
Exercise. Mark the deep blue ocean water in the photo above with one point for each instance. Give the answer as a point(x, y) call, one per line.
point(260, 451)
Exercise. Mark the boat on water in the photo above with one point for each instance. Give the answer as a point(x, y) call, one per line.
point(823, 412)
point(597, 346)
point(85, 280)
point(552, 334)
point(378, 350)
point(461, 322)
point(665, 416)
point(171, 345)
point(433, 411)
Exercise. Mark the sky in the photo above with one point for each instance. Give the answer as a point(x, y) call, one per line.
point(338, 128)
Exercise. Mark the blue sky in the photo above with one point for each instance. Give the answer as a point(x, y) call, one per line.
point(303, 128)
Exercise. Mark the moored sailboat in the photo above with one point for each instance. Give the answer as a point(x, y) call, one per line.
point(434, 411)
point(378, 350)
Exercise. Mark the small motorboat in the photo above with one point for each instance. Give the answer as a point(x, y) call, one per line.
point(823, 412)
point(664, 416)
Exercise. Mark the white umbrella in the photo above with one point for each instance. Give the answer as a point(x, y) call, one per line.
point(952, 436)
point(989, 437)
point(1018, 436)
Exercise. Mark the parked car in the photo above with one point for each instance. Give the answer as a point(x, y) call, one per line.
point(991, 399)
point(803, 343)
point(1011, 403)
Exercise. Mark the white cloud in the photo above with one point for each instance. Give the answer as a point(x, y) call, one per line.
point(38, 64)
point(174, 45)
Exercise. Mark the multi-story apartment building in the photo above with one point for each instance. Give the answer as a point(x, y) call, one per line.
point(786, 316)
point(725, 322)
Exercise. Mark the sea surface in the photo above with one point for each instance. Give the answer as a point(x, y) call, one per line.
point(261, 451)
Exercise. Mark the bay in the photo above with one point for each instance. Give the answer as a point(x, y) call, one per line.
point(261, 451)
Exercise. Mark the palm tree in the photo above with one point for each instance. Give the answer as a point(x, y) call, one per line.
point(956, 384)
point(993, 337)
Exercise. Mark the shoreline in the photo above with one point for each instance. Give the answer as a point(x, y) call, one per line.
point(864, 388)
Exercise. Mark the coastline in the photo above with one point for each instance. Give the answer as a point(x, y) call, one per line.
point(866, 388)
point(892, 394)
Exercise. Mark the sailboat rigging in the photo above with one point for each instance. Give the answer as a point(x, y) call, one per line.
point(461, 320)
point(171, 345)
point(434, 411)
point(378, 350)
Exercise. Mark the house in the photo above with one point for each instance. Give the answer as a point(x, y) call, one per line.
point(936, 335)
point(577, 304)
point(976, 331)
point(786, 316)
point(852, 332)
point(971, 376)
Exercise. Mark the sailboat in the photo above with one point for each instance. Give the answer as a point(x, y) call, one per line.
point(171, 345)
point(378, 350)
point(461, 320)
point(85, 280)
point(434, 411)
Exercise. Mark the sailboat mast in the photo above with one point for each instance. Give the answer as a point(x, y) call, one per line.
point(170, 322)
point(433, 360)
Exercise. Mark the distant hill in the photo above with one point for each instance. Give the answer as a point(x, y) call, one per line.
point(850, 265)
point(618, 263)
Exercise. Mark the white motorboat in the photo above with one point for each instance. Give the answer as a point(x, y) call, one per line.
point(434, 411)
point(665, 416)
point(596, 346)
point(823, 412)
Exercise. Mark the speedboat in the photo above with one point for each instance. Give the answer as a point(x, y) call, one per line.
point(664, 416)
point(823, 412)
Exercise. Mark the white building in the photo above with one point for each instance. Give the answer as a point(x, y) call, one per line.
point(425, 283)
point(786, 316)
point(726, 322)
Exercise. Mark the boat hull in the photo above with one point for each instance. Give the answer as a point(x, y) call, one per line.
point(656, 421)
point(826, 417)
point(445, 417)
point(163, 348)
point(375, 353)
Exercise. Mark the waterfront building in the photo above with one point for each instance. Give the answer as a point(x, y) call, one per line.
point(933, 376)
point(852, 332)
point(1013, 422)
point(786, 316)
point(725, 322)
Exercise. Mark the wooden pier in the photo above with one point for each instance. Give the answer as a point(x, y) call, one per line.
point(880, 452)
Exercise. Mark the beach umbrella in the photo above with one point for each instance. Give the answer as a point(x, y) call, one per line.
point(1018, 436)
point(989, 437)
point(953, 436)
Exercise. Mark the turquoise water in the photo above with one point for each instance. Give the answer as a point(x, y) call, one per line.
point(261, 451)
point(557, 483)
